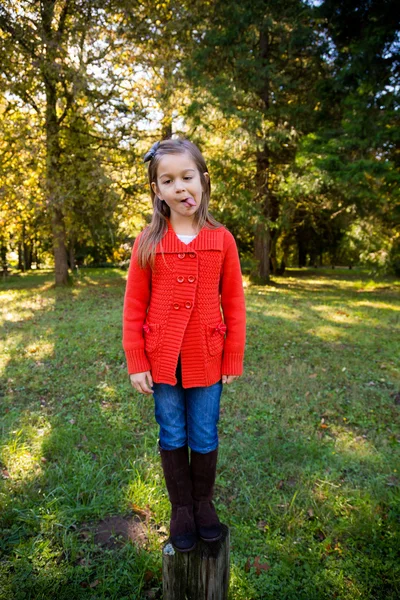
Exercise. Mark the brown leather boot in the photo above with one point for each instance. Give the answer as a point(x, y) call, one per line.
point(176, 469)
point(203, 469)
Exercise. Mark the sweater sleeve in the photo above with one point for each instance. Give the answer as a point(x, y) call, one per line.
point(136, 301)
point(234, 309)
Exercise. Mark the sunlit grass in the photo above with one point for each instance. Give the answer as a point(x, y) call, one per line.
point(309, 442)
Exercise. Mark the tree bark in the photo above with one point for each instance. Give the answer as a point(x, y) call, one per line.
point(53, 149)
point(265, 236)
point(202, 574)
point(3, 254)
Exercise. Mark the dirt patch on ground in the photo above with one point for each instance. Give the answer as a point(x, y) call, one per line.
point(114, 531)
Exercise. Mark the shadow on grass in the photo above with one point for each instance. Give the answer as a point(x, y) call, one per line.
point(70, 455)
point(314, 496)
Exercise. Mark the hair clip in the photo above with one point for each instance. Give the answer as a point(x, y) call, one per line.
point(149, 155)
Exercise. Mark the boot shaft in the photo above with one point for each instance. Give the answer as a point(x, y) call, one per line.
point(175, 464)
point(203, 468)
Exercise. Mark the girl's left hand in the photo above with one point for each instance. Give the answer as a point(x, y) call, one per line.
point(229, 378)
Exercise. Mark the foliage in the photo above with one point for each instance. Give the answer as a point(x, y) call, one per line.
point(295, 110)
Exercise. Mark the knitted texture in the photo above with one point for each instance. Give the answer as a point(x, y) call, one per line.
point(176, 308)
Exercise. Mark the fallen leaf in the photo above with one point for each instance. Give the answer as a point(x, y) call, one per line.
point(260, 566)
point(144, 513)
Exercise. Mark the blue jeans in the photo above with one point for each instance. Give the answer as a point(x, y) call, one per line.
point(187, 416)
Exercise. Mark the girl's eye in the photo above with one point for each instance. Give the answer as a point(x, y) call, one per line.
point(188, 178)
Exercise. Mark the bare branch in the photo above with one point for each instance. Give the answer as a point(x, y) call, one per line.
point(28, 98)
point(63, 17)
point(70, 98)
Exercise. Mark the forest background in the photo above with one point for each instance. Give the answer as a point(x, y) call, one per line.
point(294, 105)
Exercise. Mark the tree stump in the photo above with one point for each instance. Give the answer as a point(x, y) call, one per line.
point(202, 574)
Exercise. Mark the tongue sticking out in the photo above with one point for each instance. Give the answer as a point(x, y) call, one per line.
point(189, 202)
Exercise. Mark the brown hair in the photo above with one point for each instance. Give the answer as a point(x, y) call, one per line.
point(158, 226)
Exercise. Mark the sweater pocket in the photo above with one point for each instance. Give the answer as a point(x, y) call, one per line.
point(215, 338)
point(151, 336)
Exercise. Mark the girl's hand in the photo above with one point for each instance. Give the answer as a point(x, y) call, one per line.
point(229, 378)
point(138, 380)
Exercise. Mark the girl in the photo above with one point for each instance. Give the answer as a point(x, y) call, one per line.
point(184, 267)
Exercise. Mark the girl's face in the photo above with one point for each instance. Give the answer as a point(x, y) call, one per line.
point(178, 184)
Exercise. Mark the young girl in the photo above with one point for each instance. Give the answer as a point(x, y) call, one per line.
point(184, 267)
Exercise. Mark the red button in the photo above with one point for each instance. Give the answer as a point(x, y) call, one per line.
point(191, 278)
point(188, 304)
point(176, 306)
point(181, 255)
point(192, 255)
point(180, 279)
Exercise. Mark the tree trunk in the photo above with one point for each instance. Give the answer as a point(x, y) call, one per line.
point(262, 242)
point(265, 235)
point(20, 261)
point(72, 254)
point(27, 252)
point(272, 253)
point(22, 258)
point(202, 574)
point(301, 249)
point(3, 252)
point(53, 149)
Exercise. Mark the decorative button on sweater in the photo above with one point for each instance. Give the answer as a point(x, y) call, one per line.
point(211, 342)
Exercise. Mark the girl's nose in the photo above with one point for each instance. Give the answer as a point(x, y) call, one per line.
point(179, 185)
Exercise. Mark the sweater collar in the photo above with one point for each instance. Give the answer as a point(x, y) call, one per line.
point(206, 239)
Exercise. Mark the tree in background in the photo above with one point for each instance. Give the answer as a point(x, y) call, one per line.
point(354, 149)
point(294, 109)
point(23, 223)
point(53, 58)
point(261, 61)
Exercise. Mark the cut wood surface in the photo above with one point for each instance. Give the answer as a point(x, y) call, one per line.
point(202, 574)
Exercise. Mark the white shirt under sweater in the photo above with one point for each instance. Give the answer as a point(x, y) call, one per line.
point(186, 239)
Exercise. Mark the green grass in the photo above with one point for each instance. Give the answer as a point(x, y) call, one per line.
point(309, 471)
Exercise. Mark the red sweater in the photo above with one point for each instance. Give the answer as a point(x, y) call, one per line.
point(176, 308)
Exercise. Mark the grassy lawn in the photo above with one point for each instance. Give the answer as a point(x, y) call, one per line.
point(309, 470)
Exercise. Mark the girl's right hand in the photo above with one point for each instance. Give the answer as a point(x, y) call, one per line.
point(138, 381)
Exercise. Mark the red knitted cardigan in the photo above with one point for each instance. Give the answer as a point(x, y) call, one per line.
point(175, 308)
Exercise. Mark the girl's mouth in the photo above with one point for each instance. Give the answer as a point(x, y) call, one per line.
point(189, 201)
